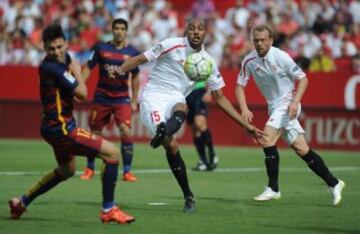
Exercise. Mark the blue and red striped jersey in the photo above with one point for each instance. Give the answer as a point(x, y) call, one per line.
point(112, 90)
point(56, 92)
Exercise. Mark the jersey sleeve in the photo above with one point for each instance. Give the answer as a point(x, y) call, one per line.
point(244, 73)
point(94, 57)
point(215, 81)
point(157, 50)
point(64, 78)
point(291, 67)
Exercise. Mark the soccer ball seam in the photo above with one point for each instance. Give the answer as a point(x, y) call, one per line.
point(197, 67)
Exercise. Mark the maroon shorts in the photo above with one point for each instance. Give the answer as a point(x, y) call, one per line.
point(77, 142)
point(100, 115)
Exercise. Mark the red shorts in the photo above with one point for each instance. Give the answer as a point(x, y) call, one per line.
point(77, 142)
point(100, 115)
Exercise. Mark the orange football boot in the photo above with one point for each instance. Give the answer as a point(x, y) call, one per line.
point(88, 174)
point(17, 208)
point(116, 215)
point(129, 177)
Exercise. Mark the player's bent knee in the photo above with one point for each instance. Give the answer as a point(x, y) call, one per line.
point(301, 151)
point(171, 146)
point(201, 127)
point(109, 151)
point(266, 143)
point(114, 153)
point(65, 174)
point(124, 130)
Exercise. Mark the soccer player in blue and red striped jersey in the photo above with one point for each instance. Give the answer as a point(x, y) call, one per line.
point(112, 94)
point(60, 83)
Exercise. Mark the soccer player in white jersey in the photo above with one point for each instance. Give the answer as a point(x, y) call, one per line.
point(162, 103)
point(275, 74)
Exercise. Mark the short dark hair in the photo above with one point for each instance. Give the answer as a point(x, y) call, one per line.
point(120, 21)
point(263, 27)
point(52, 32)
point(189, 21)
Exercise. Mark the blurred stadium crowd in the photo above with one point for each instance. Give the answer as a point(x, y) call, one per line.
point(321, 35)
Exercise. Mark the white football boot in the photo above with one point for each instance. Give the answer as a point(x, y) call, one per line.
point(201, 166)
point(268, 194)
point(336, 192)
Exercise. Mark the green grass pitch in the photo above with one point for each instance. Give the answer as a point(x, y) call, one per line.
point(224, 198)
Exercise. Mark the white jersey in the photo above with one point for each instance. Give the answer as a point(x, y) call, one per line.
point(274, 74)
point(168, 73)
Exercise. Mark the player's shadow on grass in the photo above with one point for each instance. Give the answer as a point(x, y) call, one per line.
point(219, 200)
point(288, 203)
point(216, 199)
point(70, 203)
point(27, 219)
point(310, 228)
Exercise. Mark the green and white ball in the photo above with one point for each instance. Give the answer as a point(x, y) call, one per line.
point(197, 67)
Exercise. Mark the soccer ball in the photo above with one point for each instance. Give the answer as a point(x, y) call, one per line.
point(197, 67)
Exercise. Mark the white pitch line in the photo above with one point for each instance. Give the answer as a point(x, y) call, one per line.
point(157, 204)
point(160, 171)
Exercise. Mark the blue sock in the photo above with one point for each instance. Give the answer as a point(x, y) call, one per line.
point(109, 179)
point(91, 163)
point(127, 149)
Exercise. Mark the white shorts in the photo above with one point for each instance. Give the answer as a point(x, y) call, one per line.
point(157, 107)
point(279, 119)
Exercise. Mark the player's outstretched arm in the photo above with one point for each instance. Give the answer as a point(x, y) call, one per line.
point(135, 86)
point(229, 109)
point(131, 63)
point(240, 96)
point(85, 74)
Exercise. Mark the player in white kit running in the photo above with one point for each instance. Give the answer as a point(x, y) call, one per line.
point(275, 74)
point(162, 103)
